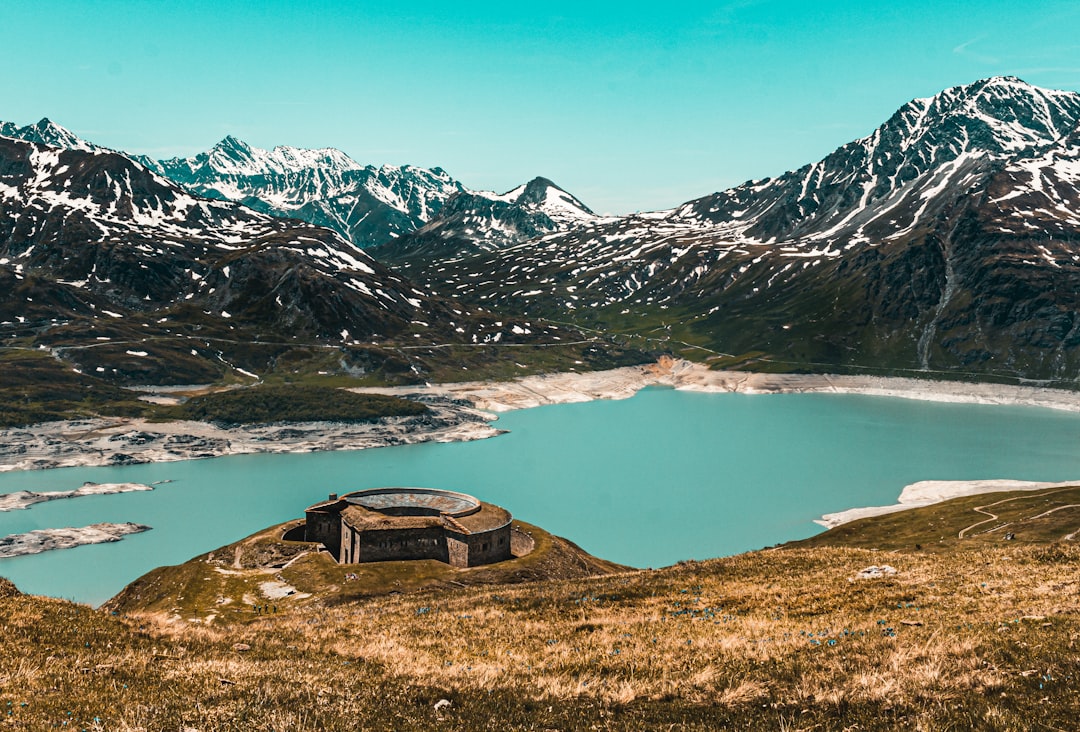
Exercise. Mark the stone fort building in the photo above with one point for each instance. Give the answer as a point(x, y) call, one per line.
point(384, 524)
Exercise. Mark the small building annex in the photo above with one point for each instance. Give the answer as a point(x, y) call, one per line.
point(386, 524)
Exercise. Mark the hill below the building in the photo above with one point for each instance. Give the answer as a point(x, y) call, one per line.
point(929, 618)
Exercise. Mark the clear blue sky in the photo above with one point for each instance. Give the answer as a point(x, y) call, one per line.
point(630, 107)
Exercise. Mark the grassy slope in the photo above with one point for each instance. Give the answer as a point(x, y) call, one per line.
point(978, 633)
point(35, 387)
point(39, 386)
point(225, 584)
point(1032, 517)
point(299, 403)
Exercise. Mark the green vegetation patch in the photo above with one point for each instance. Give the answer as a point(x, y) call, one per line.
point(266, 404)
point(36, 387)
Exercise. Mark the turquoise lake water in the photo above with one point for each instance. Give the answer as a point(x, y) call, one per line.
point(647, 481)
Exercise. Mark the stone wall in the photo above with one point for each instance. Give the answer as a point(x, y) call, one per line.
point(490, 546)
point(521, 543)
point(325, 528)
point(457, 550)
point(390, 545)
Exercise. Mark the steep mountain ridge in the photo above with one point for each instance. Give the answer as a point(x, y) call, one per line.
point(942, 142)
point(366, 204)
point(152, 242)
point(363, 203)
point(896, 251)
point(472, 222)
point(369, 205)
point(49, 133)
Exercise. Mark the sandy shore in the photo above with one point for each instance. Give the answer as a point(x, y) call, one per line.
point(464, 411)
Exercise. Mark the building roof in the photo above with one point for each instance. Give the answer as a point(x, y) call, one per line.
point(484, 517)
point(364, 519)
point(430, 500)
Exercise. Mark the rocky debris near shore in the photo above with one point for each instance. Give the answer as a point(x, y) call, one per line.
point(622, 383)
point(42, 540)
point(133, 441)
point(20, 500)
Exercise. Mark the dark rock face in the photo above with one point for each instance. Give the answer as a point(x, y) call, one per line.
point(947, 240)
point(471, 222)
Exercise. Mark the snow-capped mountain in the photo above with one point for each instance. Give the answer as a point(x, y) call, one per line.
point(949, 238)
point(91, 236)
point(884, 184)
point(127, 276)
point(365, 204)
point(82, 214)
point(371, 205)
point(47, 132)
point(476, 221)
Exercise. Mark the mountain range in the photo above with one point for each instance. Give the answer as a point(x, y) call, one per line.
point(944, 242)
point(129, 277)
point(368, 205)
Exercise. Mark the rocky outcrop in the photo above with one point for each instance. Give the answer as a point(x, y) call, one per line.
point(43, 540)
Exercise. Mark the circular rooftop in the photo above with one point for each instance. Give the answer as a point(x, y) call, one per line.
point(414, 501)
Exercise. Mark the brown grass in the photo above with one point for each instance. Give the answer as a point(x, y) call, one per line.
point(984, 636)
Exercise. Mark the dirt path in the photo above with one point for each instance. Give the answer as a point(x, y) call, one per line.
point(994, 517)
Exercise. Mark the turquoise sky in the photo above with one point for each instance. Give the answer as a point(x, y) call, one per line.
point(630, 107)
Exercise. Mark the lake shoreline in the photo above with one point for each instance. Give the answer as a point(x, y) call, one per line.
point(466, 411)
point(622, 383)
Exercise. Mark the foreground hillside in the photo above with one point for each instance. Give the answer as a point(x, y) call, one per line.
point(980, 633)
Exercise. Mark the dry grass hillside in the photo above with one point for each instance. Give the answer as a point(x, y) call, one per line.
point(977, 632)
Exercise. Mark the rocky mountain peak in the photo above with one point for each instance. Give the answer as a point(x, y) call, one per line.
point(47, 132)
point(536, 191)
point(232, 143)
point(543, 196)
point(230, 154)
point(996, 115)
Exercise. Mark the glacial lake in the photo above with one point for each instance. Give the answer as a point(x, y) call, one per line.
point(647, 481)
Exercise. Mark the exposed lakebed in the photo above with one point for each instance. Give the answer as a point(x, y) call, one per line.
point(647, 481)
